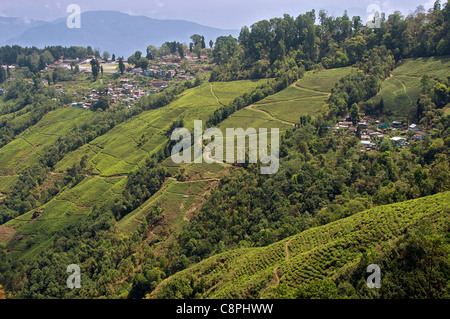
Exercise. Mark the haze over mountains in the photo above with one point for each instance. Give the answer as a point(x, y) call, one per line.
point(111, 31)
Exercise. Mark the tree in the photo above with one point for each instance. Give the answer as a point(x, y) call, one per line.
point(211, 43)
point(95, 68)
point(440, 94)
point(103, 103)
point(357, 23)
point(152, 52)
point(142, 63)
point(181, 50)
point(381, 106)
point(106, 55)
point(47, 57)
point(203, 42)
point(113, 57)
point(134, 59)
point(437, 5)
point(197, 39)
point(198, 50)
point(121, 65)
point(354, 113)
point(2, 74)
point(173, 46)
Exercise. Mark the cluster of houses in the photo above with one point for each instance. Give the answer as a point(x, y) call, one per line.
point(162, 71)
point(371, 131)
point(166, 69)
point(126, 92)
point(60, 63)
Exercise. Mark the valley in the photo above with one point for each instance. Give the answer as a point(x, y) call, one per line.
point(87, 177)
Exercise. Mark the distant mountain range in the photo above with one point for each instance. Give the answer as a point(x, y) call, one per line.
point(14, 27)
point(111, 31)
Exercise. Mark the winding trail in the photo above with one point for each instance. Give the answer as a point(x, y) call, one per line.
point(406, 91)
point(214, 95)
point(287, 251)
point(253, 107)
point(294, 85)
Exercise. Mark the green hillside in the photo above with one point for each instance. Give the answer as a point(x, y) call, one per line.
point(308, 96)
point(351, 183)
point(277, 270)
point(113, 155)
point(401, 91)
point(323, 81)
point(126, 146)
point(26, 149)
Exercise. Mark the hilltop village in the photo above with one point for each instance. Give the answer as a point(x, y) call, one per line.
point(134, 83)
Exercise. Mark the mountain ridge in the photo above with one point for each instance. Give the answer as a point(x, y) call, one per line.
point(114, 31)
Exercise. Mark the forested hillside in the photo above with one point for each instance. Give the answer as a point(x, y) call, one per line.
point(363, 176)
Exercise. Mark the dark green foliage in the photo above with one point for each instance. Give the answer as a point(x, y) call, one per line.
point(121, 65)
point(334, 42)
point(322, 178)
point(95, 66)
point(415, 267)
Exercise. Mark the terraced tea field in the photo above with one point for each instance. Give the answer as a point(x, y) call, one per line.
point(277, 270)
point(122, 149)
point(110, 158)
point(307, 96)
point(401, 91)
point(27, 148)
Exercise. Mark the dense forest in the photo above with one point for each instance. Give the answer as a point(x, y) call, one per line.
point(331, 41)
point(323, 176)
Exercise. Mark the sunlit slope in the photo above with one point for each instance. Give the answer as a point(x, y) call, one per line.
point(307, 96)
point(123, 148)
point(28, 234)
point(27, 148)
point(401, 91)
point(279, 269)
point(116, 154)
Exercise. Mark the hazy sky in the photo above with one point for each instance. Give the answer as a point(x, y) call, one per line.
point(231, 14)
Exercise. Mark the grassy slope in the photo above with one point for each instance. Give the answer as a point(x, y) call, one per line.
point(26, 149)
point(401, 91)
point(200, 178)
point(117, 153)
point(178, 210)
point(277, 270)
point(66, 209)
point(307, 96)
point(323, 81)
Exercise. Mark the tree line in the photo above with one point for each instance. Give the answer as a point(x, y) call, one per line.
point(330, 43)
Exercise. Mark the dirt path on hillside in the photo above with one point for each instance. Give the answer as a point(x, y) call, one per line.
point(287, 251)
point(294, 85)
point(214, 95)
point(254, 108)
